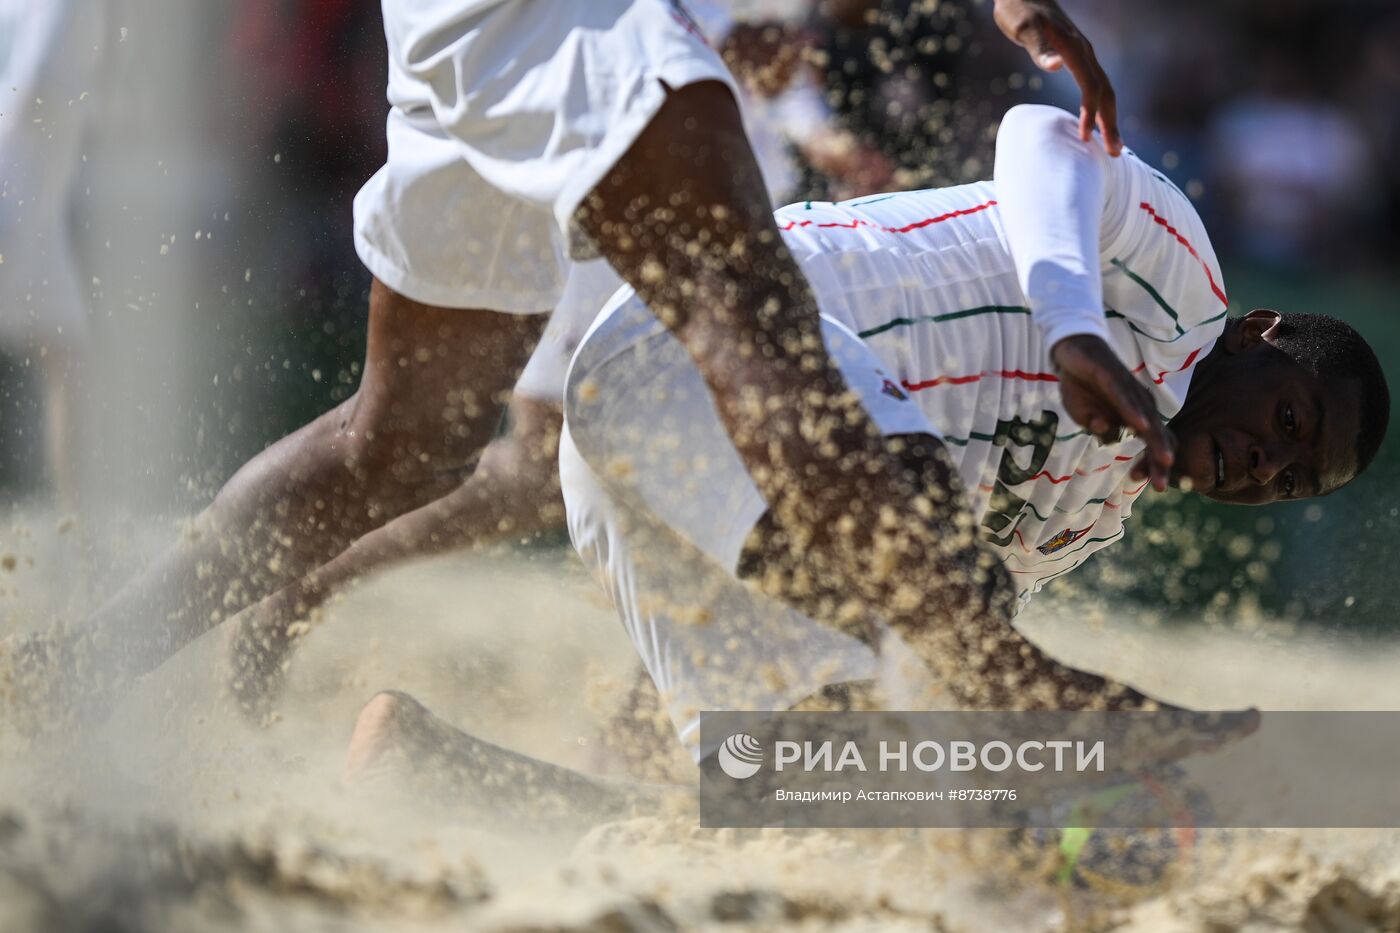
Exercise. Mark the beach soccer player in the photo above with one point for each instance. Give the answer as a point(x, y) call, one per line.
point(956, 315)
point(514, 491)
point(522, 132)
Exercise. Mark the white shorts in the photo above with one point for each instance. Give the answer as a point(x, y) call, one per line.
point(588, 288)
point(504, 117)
point(660, 506)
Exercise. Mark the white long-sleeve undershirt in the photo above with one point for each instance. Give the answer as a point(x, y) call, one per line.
point(1056, 195)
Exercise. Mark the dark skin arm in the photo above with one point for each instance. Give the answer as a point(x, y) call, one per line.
point(513, 493)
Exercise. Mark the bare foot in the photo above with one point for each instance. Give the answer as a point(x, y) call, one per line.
point(397, 743)
point(258, 645)
point(386, 737)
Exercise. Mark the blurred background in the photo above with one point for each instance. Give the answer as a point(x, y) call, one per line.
point(222, 304)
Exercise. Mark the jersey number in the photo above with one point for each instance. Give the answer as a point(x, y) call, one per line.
point(1004, 512)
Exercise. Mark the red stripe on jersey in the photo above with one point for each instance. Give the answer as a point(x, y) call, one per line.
point(1034, 377)
point(1056, 480)
point(908, 228)
point(1079, 472)
point(1117, 458)
point(974, 377)
point(1162, 222)
point(1161, 377)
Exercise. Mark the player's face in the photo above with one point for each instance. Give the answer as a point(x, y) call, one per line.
point(1259, 428)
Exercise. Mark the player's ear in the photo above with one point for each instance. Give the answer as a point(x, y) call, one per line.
point(1258, 326)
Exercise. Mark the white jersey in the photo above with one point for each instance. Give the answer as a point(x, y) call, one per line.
point(939, 308)
point(927, 279)
point(936, 283)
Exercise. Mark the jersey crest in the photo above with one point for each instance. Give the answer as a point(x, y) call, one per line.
point(1062, 540)
point(891, 389)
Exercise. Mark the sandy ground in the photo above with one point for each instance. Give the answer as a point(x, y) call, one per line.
point(180, 815)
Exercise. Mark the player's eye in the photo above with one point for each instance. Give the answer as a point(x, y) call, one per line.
point(1289, 483)
point(1290, 420)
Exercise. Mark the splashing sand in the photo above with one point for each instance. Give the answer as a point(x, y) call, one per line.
point(180, 814)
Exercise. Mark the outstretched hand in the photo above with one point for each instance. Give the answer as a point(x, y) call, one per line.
point(1105, 399)
point(1054, 42)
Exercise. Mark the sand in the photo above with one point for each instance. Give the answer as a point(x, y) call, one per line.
point(179, 814)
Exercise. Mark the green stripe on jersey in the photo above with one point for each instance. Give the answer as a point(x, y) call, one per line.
point(941, 318)
point(875, 200)
point(1147, 287)
point(1116, 315)
point(981, 436)
point(1066, 512)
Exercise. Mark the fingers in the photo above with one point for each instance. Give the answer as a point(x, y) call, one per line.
point(1099, 106)
point(1134, 407)
point(1106, 102)
point(1054, 42)
point(1043, 50)
point(1103, 396)
point(1156, 461)
point(1083, 76)
point(1108, 121)
point(1103, 423)
point(1022, 25)
point(1070, 47)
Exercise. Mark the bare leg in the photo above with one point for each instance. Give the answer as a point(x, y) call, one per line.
point(432, 394)
point(513, 492)
point(399, 742)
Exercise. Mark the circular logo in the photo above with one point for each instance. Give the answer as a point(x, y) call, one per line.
point(740, 756)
